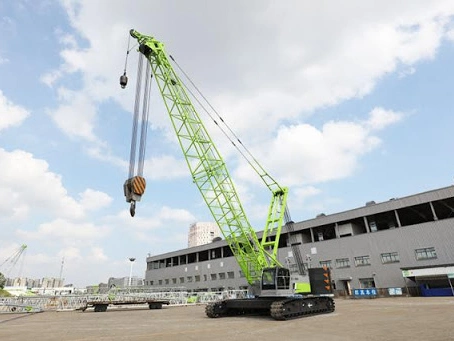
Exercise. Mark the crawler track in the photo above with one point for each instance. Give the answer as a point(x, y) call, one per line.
point(299, 307)
point(277, 307)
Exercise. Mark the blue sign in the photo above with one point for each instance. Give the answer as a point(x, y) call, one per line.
point(365, 292)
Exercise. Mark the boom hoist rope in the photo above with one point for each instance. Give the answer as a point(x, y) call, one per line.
point(278, 208)
point(240, 147)
point(134, 186)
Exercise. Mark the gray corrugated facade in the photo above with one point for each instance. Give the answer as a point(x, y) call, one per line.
point(366, 246)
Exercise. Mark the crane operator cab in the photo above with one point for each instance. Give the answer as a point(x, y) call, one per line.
point(276, 282)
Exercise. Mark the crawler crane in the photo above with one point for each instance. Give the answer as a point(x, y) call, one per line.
point(274, 290)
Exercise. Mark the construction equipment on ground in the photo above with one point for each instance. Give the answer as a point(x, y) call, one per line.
point(9, 264)
point(274, 290)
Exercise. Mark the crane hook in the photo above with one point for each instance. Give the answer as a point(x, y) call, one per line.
point(132, 209)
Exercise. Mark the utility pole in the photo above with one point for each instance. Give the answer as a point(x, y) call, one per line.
point(131, 259)
point(61, 271)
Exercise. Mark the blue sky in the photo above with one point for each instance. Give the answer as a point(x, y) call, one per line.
point(343, 104)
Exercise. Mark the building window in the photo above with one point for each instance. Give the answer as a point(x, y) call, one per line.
point(390, 257)
point(242, 274)
point(189, 278)
point(160, 282)
point(167, 281)
point(342, 263)
point(197, 278)
point(426, 253)
point(205, 278)
point(373, 226)
point(181, 280)
point(214, 277)
point(230, 274)
point(326, 264)
point(365, 283)
point(362, 260)
point(174, 281)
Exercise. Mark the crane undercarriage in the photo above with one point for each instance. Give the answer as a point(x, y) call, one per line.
point(279, 308)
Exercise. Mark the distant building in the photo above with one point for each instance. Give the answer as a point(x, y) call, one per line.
point(19, 282)
point(101, 288)
point(51, 282)
point(123, 282)
point(33, 283)
point(202, 233)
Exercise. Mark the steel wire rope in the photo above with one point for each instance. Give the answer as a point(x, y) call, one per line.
point(251, 160)
point(144, 123)
point(132, 154)
point(255, 165)
point(293, 242)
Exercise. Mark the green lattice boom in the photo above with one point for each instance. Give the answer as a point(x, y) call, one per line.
point(210, 173)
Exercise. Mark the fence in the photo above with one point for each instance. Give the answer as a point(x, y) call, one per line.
point(21, 304)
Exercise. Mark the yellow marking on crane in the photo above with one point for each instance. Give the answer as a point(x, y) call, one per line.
point(138, 185)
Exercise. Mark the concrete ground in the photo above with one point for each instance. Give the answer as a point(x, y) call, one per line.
point(422, 318)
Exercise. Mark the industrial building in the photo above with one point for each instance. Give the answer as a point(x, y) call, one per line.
point(404, 244)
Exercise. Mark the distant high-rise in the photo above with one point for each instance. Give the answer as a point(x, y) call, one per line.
point(202, 233)
point(51, 282)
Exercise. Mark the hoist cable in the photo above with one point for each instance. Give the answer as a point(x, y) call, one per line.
point(135, 119)
point(127, 54)
point(144, 123)
point(250, 159)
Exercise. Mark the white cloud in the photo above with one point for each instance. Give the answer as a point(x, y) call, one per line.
point(302, 193)
point(450, 34)
point(407, 72)
point(67, 232)
point(303, 65)
point(98, 255)
point(165, 167)
point(76, 114)
point(94, 200)
point(28, 186)
point(302, 154)
point(50, 78)
point(381, 118)
point(156, 226)
point(175, 215)
point(71, 254)
point(103, 153)
point(11, 114)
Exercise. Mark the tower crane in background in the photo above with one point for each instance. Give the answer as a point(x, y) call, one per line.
point(272, 285)
point(10, 263)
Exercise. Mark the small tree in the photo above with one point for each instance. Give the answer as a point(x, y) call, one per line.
point(2, 281)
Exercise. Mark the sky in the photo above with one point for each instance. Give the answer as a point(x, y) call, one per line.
point(343, 102)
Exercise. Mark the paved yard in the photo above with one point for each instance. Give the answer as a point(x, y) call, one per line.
point(367, 319)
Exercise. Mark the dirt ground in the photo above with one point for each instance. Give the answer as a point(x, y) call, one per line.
point(404, 318)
